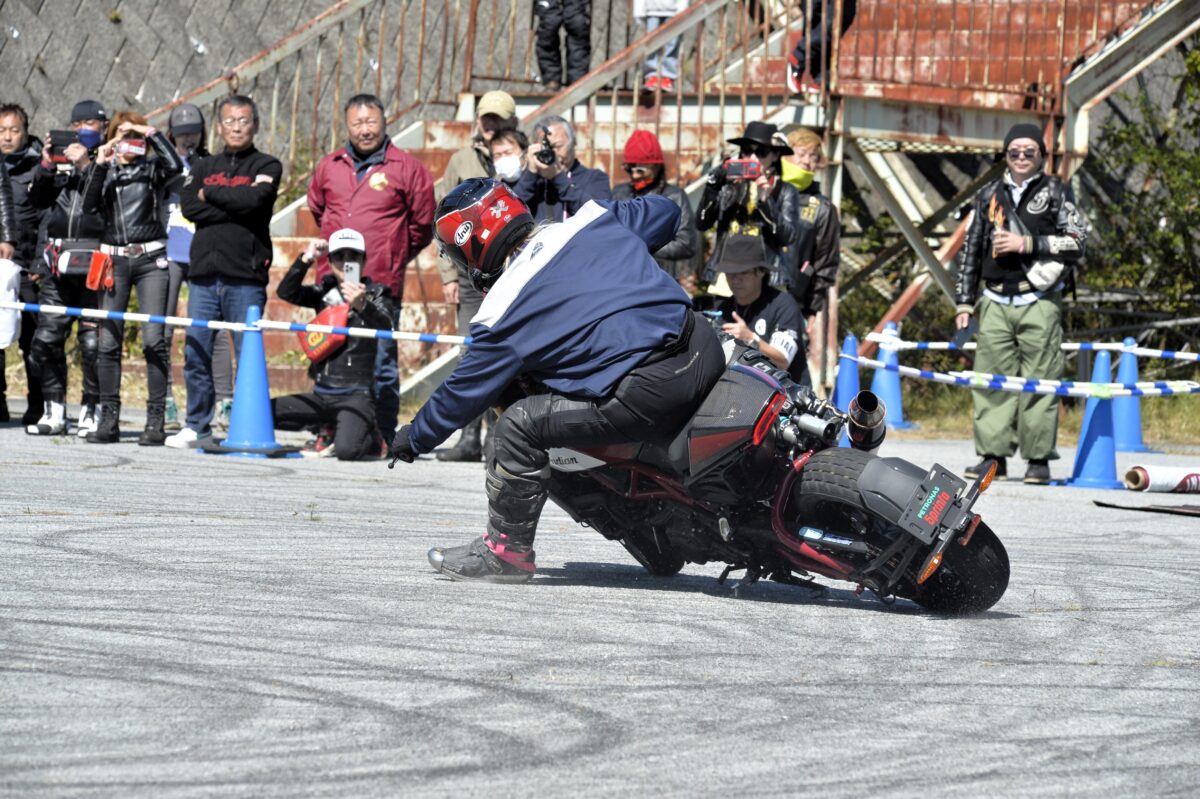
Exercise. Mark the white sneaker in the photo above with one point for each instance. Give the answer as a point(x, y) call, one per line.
point(52, 423)
point(187, 438)
point(89, 420)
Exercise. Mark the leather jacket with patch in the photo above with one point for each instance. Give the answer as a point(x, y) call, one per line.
point(131, 197)
point(816, 255)
point(62, 193)
point(726, 205)
point(1053, 227)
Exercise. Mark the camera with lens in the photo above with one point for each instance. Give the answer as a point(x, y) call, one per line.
point(742, 169)
point(546, 155)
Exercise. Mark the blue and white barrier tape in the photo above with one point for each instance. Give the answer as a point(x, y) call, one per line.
point(263, 324)
point(887, 342)
point(1100, 390)
point(985, 377)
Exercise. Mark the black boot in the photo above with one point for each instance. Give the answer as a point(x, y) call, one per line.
point(505, 554)
point(153, 435)
point(467, 449)
point(107, 431)
point(4, 417)
point(33, 410)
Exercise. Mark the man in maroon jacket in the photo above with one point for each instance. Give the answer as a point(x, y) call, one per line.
point(373, 186)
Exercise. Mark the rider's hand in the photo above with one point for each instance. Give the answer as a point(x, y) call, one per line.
point(401, 448)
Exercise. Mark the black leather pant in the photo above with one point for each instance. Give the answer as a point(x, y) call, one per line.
point(651, 403)
point(353, 415)
point(49, 340)
point(576, 17)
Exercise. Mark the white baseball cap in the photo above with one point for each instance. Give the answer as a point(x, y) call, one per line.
point(347, 239)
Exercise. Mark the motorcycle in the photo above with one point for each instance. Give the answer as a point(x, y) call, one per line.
point(756, 480)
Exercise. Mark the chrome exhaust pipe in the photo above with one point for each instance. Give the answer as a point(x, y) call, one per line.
point(864, 425)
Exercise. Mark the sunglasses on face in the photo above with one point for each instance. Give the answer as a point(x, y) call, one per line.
point(631, 168)
point(1027, 155)
point(753, 149)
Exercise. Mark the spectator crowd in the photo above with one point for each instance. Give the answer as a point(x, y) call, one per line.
point(110, 207)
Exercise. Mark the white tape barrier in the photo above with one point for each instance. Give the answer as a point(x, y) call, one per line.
point(1100, 390)
point(893, 343)
point(263, 324)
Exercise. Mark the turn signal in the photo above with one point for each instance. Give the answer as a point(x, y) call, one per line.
point(930, 568)
point(987, 478)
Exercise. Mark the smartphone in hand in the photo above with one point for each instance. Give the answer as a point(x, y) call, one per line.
point(60, 140)
point(963, 335)
point(352, 272)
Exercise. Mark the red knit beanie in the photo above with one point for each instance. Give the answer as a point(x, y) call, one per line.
point(643, 148)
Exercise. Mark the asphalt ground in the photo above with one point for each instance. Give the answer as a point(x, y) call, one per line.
point(176, 624)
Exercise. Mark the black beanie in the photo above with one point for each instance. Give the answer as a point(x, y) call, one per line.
point(1025, 130)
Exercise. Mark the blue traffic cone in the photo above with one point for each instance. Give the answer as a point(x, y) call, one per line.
point(1096, 458)
point(1127, 411)
point(886, 383)
point(846, 387)
point(251, 424)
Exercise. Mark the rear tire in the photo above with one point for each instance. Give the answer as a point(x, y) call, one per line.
point(970, 580)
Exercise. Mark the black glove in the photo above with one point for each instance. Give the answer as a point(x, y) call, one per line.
point(401, 448)
point(716, 178)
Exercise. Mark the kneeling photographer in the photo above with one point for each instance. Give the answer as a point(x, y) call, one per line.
point(343, 367)
point(746, 195)
point(72, 235)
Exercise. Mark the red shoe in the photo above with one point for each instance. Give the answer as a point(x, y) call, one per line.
point(651, 83)
point(667, 85)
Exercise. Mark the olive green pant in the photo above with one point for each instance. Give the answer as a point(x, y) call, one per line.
point(1019, 341)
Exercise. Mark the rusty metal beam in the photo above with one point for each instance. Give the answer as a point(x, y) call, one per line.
point(915, 239)
point(1099, 76)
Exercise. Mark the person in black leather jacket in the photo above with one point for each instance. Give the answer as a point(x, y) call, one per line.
point(128, 189)
point(21, 153)
point(343, 394)
point(646, 167)
point(1025, 236)
point(766, 206)
point(70, 236)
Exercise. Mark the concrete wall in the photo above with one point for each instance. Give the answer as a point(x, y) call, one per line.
point(134, 54)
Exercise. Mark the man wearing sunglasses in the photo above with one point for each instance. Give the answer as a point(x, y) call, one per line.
point(1024, 238)
point(746, 195)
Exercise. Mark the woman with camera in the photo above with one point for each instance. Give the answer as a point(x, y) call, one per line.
point(128, 190)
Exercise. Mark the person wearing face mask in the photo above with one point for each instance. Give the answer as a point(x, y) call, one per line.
point(508, 157)
point(71, 235)
point(127, 188)
point(343, 395)
point(495, 113)
point(737, 201)
point(647, 170)
point(1025, 235)
point(816, 255)
point(186, 131)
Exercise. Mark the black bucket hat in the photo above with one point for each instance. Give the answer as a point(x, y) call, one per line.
point(741, 253)
point(762, 134)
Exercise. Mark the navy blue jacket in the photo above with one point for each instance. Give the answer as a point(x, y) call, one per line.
point(560, 198)
point(577, 309)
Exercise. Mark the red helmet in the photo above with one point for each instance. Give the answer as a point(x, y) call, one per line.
point(477, 224)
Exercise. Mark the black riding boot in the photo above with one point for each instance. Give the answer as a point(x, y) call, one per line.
point(37, 404)
point(505, 553)
point(107, 431)
point(468, 448)
point(153, 435)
